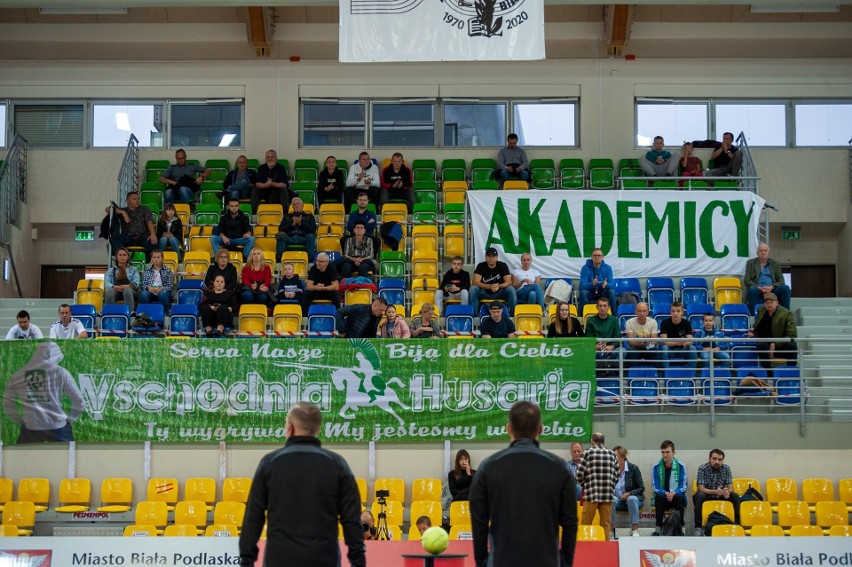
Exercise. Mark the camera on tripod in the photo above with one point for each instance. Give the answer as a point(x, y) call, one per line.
point(382, 495)
point(382, 532)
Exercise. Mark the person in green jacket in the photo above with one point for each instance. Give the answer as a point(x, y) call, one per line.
point(775, 322)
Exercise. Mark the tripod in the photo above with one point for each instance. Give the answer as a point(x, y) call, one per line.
point(382, 532)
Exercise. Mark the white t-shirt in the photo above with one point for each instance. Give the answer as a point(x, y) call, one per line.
point(32, 332)
point(74, 328)
point(641, 331)
point(530, 274)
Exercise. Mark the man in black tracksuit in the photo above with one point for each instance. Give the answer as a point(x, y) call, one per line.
point(302, 489)
point(360, 321)
point(526, 494)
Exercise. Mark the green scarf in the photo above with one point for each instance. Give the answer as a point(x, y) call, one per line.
point(674, 480)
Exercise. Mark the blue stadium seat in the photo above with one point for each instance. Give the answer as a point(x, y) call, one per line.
point(680, 386)
point(631, 285)
point(190, 291)
point(115, 320)
point(484, 310)
point(392, 290)
point(659, 290)
point(321, 320)
point(744, 354)
point(788, 385)
point(87, 315)
point(643, 385)
point(608, 391)
point(184, 320)
point(693, 290)
point(755, 372)
point(626, 311)
point(722, 394)
point(695, 314)
point(459, 318)
point(661, 312)
point(735, 319)
point(157, 314)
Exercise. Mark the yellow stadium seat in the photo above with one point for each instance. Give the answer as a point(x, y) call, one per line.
point(235, 257)
point(201, 488)
point(35, 490)
point(221, 530)
point(307, 208)
point(170, 260)
point(423, 290)
point(191, 512)
point(394, 212)
point(116, 495)
point(152, 512)
point(755, 513)
point(844, 492)
point(362, 296)
point(253, 320)
point(426, 488)
point(742, 484)
point(331, 213)
point(393, 512)
point(461, 532)
point(590, 310)
point(195, 264)
point(842, 531)
point(780, 488)
point(329, 243)
point(413, 533)
point(7, 488)
point(424, 263)
point(362, 488)
point(424, 238)
point(140, 530)
point(460, 512)
point(454, 191)
point(163, 489)
point(299, 259)
point(727, 290)
point(182, 211)
point(21, 514)
point(515, 185)
point(396, 486)
point(766, 530)
point(236, 489)
point(551, 312)
point(181, 530)
point(806, 531)
point(11, 530)
point(528, 318)
point(455, 236)
point(269, 215)
point(415, 311)
point(429, 508)
point(727, 530)
point(199, 239)
point(287, 319)
point(592, 532)
point(229, 512)
point(721, 506)
point(831, 513)
point(90, 292)
point(75, 495)
point(793, 513)
point(817, 490)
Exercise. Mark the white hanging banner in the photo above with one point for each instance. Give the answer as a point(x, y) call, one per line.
point(642, 233)
point(441, 30)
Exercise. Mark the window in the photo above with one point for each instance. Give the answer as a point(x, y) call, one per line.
point(113, 124)
point(50, 125)
point(403, 124)
point(675, 121)
point(820, 124)
point(764, 124)
point(474, 124)
point(202, 125)
point(545, 124)
point(333, 124)
point(2, 125)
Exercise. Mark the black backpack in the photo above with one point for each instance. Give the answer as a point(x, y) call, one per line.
point(673, 524)
point(715, 519)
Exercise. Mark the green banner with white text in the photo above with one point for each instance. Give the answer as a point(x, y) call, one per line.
point(239, 390)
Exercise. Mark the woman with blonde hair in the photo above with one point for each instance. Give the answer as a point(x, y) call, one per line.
point(257, 279)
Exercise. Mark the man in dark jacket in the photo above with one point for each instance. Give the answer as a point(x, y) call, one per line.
point(629, 490)
point(520, 497)
point(234, 230)
point(297, 227)
point(775, 322)
point(300, 491)
point(360, 321)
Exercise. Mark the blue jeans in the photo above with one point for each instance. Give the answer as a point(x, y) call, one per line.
point(531, 294)
point(587, 296)
point(524, 175)
point(755, 297)
point(506, 294)
point(669, 354)
point(632, 506)
point(721, 358)
point(173, 242)
point(309, 240)
point(248, 296)
point(185, 195)
point(246, 243)
point(240, 190)
point(641, 357)
point(163, 297)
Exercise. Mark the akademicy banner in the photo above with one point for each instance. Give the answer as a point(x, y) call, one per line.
point(642, 233)
point(208, 390)
point(441, 30)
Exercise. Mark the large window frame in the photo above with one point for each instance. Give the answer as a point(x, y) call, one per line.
point(505, 107)
point(836, 125)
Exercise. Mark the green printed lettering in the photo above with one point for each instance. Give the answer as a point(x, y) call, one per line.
point(705, 228)
point(595, 236)
point(624, 214)
point(565, 228)
point(500, 231)
point(742, 218)
point(654, 226)
point(529, 228)
point(689, 241)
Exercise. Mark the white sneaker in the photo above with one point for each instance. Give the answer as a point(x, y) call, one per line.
point(635, 533)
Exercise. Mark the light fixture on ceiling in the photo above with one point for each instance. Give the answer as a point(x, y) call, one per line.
point(794, 8)
point(82, 11)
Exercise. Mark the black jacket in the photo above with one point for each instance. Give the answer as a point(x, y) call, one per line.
point(357, 321)
point(527, 494)
point(633, 482)
point(234, 227)
point(303, 488)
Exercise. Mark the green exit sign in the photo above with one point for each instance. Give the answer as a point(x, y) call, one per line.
point(795, 234)
point(84, 235)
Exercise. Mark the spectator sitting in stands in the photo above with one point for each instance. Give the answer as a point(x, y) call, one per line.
point(184, 178)
point(638, 329)
point(604, 326)
point(527, 282)
point(357, 254)
point(67, 327)
point(495, 326)
point(658, 162)
point(257, 280)
point(240, 182)
point(222, 266)
point(362, 214)
point(721, 356)
point(397, 182)
point(137, 226)
point(271, 184)
point(290, 287)
point(360, 321)
point(454, 285)
point(564, 324)
point(121, 280)
point(676, 327)
point(426, 325)
point(158, 282)
point(774, 322)
point(595, 279)
point(170, 230)
point(423, 523)
point(331, 183)
point(217, 309)
point(24, 329)
point(297, 227)
point(690, 166)
point(512, 162)
point(394, 326)
point(364, 177)
point(492, 280)
point(726, 159)
point(322, 283)
point(234, 230)
point(763, 275)
point(459, 479)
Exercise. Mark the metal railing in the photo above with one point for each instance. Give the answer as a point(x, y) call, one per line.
point(13, 185)
point(128, 175)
